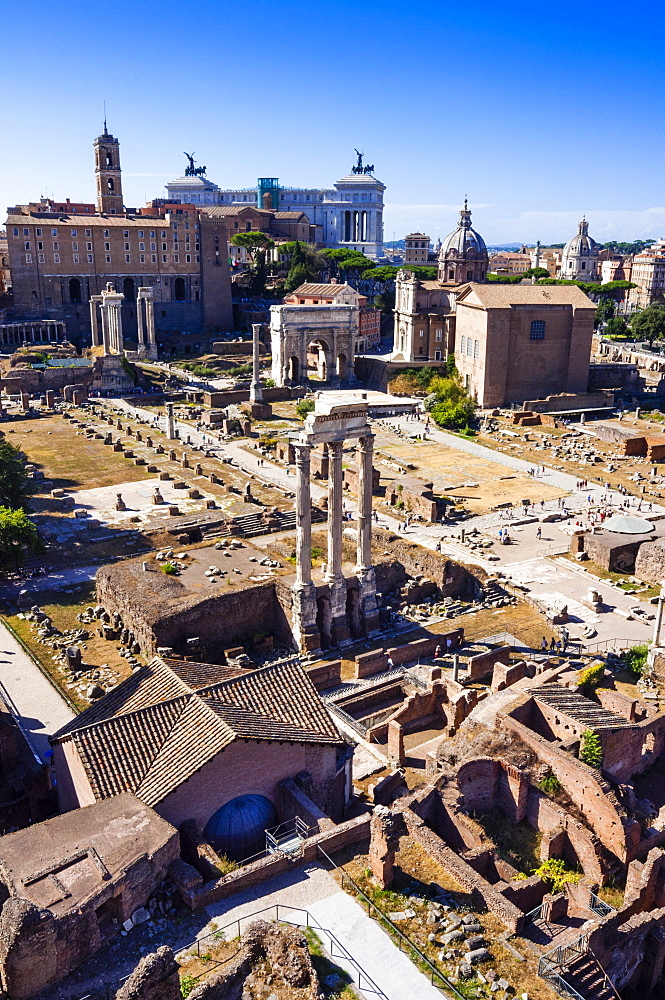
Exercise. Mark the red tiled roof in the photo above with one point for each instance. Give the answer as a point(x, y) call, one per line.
point(157, 729)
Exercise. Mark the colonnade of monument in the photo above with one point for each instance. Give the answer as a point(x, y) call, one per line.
point(307, 632)
point(107, 307)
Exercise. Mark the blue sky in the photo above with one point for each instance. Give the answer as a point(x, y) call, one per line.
point(536, 113)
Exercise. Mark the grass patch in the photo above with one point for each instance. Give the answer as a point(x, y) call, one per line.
point(69, 460)
point(516, 843)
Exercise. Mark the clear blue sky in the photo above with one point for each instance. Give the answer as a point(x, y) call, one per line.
point(537, 111)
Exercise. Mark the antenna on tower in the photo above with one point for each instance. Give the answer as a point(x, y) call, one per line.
point(105, 128)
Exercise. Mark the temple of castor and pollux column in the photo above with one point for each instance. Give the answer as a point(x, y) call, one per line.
point(328, 618)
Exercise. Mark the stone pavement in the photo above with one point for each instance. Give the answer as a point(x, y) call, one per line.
point(525, 561)
point(315, 890)
point(40, 709)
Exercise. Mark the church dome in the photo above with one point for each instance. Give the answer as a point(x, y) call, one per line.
point(582, 243)
point(465, 241)
point(238, 829)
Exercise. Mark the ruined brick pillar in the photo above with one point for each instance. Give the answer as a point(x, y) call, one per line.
point(384, 841)
point(396, 742)
point(154, 978)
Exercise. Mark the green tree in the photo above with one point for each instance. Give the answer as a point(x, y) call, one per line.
point(604, 310)
point(449, 402)
point(252, 242)
point(635, 658)
point(304, 407)
point(15, 486)
point(297, 276)
point(256, 244)
point(616, 327)
point(591, 750)
point(649, 324)
point(17, 535)
point(384, 273)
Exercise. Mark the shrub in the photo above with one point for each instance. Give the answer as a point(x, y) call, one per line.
point(304, 407)
point(187, 984)
point(591, 750)
point(170, 569)
point(550, 784)
point(589, 679)
point(635, 659)
point(226, 865)
point(555, 872)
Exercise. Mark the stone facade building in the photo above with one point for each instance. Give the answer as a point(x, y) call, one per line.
point(416, 249)
point(350, 214)
point(523, 342)
point(425, 310)
point(60, 260)
point(648, 273)
point(580, 258)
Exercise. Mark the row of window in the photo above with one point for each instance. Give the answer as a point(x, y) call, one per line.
point(470, 347)
point(438, 335)
point(76, 259)
point(88, 232)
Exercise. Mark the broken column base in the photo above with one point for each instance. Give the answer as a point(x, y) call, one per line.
point(260, 411)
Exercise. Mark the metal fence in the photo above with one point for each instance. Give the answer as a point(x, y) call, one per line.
point(436, 977)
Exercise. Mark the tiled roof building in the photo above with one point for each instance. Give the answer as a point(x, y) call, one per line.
point(188, 737)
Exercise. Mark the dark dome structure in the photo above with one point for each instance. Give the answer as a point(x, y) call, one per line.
point(238, 829)
point(463, 255)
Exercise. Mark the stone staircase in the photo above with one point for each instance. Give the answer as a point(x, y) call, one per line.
point(585, 974)
point(574, 972)
point(248, 525)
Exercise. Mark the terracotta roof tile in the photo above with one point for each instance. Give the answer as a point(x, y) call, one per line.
point(156, 729)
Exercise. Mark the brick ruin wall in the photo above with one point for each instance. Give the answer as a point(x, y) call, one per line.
point(588, 790)
point(462, 872)
point(37, 947)
point(220, 620)
point(197, 893)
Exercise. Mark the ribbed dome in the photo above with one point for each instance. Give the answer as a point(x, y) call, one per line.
point(238, 828)
point(582, 243)
point(465, 241)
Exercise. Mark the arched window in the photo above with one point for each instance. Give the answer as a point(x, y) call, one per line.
point(179, 289)
point(74, 290)
point(128, 289)
point(109, 160)
point(476, 348)
point(462, 345)
point(110, 185)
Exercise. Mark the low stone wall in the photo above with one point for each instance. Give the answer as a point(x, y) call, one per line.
point(482, 664)
point(227, 396)
point(326, 675)
point(376, 661)
point(197, 893)
point(505, 675)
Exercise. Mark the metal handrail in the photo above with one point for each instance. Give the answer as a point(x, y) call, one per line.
point(369, 985)
point(365, 981)
point(599, 906)
point(383, 918)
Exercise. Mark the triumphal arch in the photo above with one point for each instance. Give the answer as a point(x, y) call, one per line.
point(313, 341)
point(329, 612)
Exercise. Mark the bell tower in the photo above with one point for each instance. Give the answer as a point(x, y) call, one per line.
point(108, 175)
